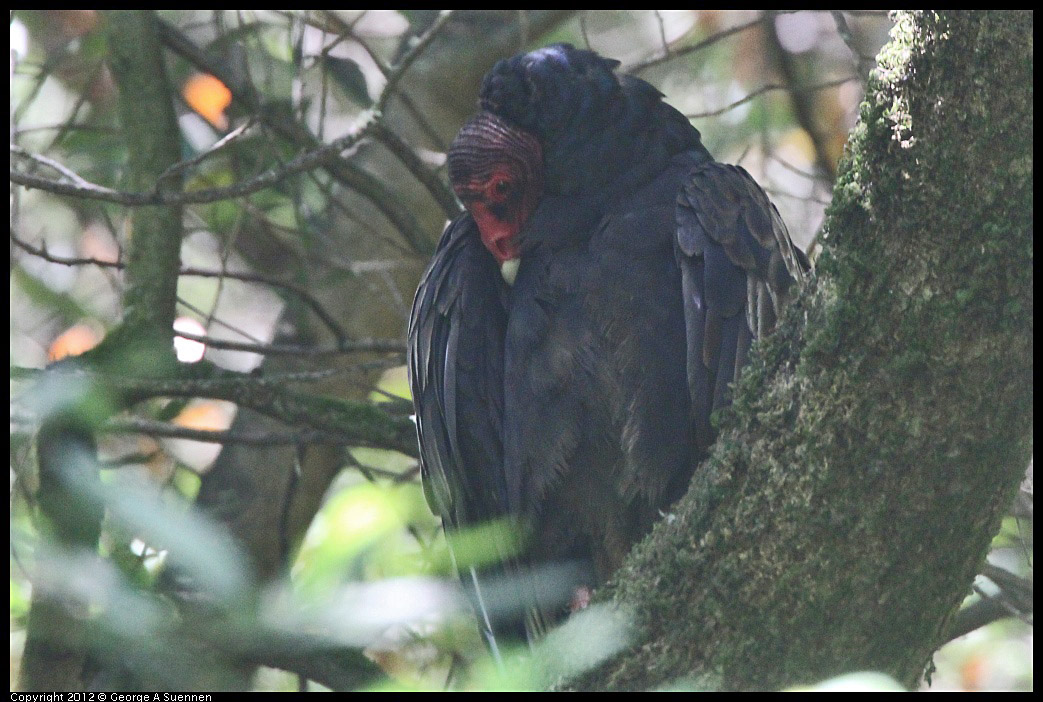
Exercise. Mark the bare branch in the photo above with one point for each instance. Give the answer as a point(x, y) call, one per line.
point(358, 423)
point(49, 163)
point(344, 171)
point(974, 616)
point(862, 63)
point(316, 306)
point(699, 46)
point(418, 45)
point(354, 346)
point(818, 177)
point(769, 88)
point(404, 152)
point(303, 162)
point(199, 158)
point(434, 138)
point(329, 663)
point(803, 110)
point(583, 29)
point(1014, 599)
point(138, 425)
point(662, 35)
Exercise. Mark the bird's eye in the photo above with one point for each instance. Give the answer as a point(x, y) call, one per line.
point(502, 187)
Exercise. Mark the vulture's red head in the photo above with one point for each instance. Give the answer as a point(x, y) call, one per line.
point(497, 172)
point(500, 162)
point(557, 121)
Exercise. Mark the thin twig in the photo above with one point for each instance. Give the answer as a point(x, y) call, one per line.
point(309, 159)
point(791, 196)
point(849, 39)
point(699, 46)
point(817, 177)
point(227, 245)
point(418, 45)
point(57, 55)
point(316, 306)
point(583, 29)
point(173, 431)
point(344, 171)
point(50, 163)
point(803, 110)
point(523, 29)
point(81, 100)
point(436, 141)
point(199, 158)
point(769, 88)
point(354, 346)
point(662, 35)
point(19, 131)
point(200, 312)
point(405, 154)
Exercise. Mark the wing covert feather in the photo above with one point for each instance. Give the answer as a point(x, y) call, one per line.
point(739, 269)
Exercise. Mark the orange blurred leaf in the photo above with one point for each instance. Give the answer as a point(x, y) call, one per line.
point(73, 341)
point(206, 416)
point(972, 672)
point(209, 97)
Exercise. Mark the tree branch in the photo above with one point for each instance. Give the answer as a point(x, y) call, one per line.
point(344, 171)
point(356, 423)
point(643, 66)
point(803, 109)
point(434, 185)
point(137, 425)
point(320, 311)
point(769, 88)
point(354, 346)
point(878, 437)
point(325, 155)
point(862, 63)
point(303, 162)
point(418, 45)
point(56, 651)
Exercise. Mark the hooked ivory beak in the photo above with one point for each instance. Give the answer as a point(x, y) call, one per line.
point(509, 269)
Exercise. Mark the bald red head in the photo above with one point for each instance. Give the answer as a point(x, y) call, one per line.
point(497, 172)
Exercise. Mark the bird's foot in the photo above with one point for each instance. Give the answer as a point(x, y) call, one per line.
point(580, 598)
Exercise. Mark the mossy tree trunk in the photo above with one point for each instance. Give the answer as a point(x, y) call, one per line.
point(879, 436)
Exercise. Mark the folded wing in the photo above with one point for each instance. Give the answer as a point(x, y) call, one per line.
point(739, 269)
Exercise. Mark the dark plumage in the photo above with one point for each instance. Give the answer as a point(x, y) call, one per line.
point(577, 401)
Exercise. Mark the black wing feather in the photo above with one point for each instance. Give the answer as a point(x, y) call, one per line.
point(456, 373)
point(456, 333)
point(738, 268)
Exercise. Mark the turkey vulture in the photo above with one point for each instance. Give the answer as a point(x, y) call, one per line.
point(579, 323)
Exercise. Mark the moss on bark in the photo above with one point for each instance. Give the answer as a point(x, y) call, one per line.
point(878, 437)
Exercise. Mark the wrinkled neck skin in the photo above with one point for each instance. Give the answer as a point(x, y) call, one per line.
point(496, 170)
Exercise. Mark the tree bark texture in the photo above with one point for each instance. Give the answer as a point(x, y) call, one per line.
point(878, 437)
